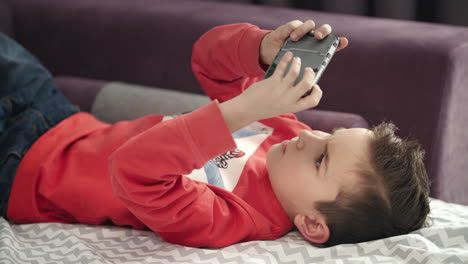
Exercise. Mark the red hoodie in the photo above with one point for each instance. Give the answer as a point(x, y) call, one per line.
point(186, 178)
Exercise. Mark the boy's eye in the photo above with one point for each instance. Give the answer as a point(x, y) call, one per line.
point(319, 161)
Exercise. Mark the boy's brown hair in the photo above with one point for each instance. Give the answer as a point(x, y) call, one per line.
point(392, 197)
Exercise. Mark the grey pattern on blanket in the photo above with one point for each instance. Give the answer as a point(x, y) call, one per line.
point(446, 241)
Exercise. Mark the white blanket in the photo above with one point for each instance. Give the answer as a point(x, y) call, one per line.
point(446, 241)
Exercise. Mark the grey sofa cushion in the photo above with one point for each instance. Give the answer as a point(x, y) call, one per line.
point(120, 101)
point(117, 101)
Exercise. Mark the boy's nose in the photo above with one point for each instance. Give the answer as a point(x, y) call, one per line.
point(313, 139)
point(320, 133)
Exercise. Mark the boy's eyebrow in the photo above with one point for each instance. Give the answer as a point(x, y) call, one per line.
point(327, 158)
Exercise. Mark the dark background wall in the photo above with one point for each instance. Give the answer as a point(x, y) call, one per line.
point(438, 11)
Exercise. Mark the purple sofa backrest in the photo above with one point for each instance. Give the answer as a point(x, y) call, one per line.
point(6, 23)
point(412, 73)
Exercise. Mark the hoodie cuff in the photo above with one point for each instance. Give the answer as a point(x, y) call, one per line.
point(249, 51)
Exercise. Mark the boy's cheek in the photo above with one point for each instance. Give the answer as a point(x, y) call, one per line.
point(275, 159)
point(272, 155)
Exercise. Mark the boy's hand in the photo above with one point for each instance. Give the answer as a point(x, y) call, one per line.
point(273, 41)
point(273, 96)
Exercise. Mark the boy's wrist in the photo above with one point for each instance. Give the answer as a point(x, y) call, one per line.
point(236, 114)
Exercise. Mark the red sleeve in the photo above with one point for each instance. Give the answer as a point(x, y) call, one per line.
point(146, 174)
point(225, 60)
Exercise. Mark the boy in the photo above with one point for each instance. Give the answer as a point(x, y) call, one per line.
point(215, 176)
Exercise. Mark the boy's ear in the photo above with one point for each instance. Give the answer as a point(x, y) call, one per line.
point(313, 228)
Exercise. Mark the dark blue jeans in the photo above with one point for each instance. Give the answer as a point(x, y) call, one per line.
point(30, 105)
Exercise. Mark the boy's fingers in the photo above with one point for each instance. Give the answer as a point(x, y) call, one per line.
point(293, 72)
point(311, 100)
point(286, 29)
point(307, 81)
point(303, 29)
point(322, 31)
point(281, 67)
point(343, 44)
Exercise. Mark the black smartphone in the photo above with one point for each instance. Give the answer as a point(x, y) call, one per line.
point(314, 53)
